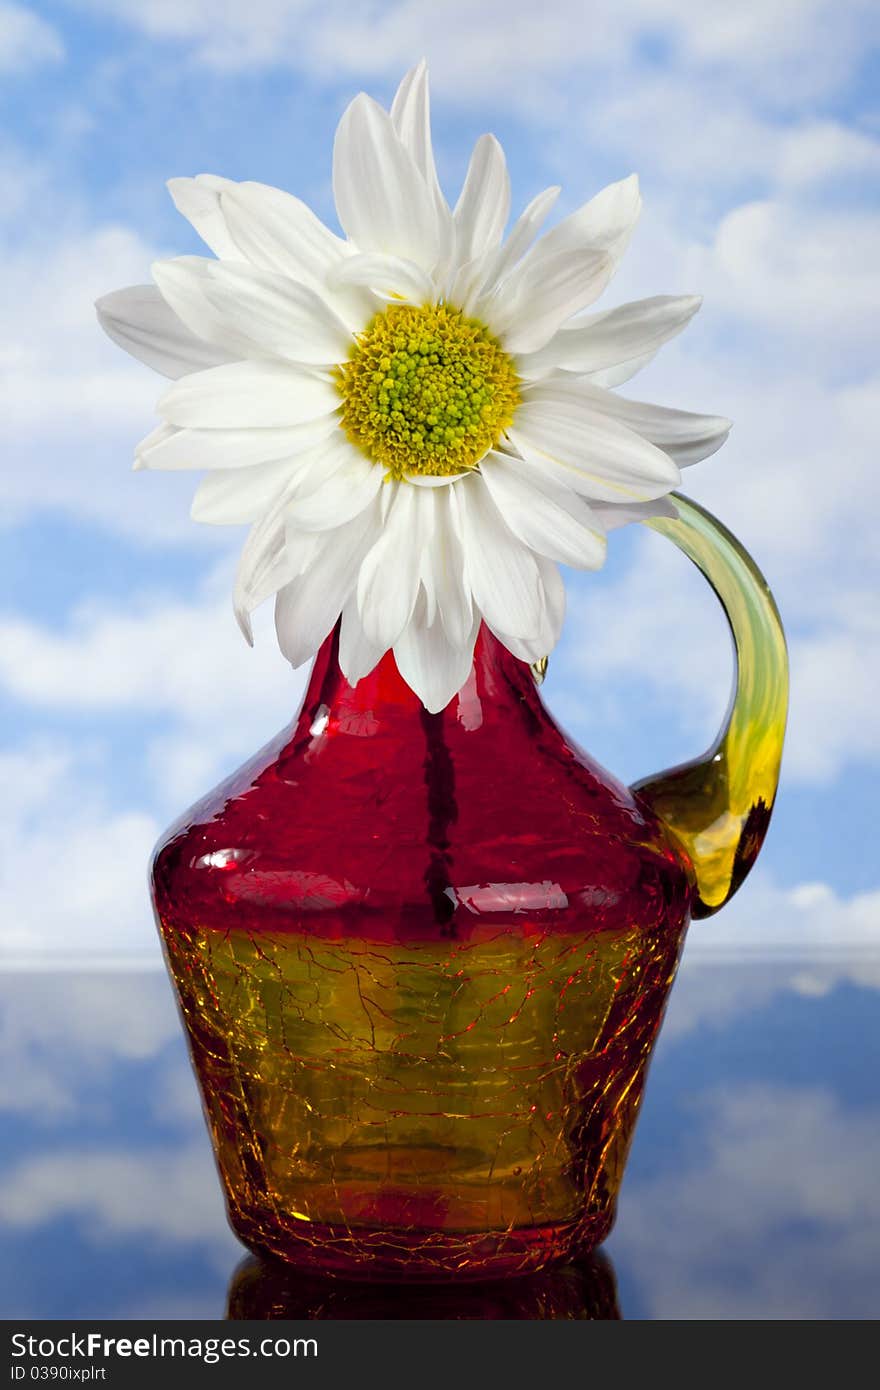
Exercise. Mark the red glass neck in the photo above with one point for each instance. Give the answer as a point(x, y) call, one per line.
point(496, 676)
point(374, 816)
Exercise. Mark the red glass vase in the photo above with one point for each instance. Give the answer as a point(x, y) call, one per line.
point(422, 958)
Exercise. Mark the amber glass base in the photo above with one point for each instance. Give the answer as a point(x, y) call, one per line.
point(435, 1109)
point(357, 1253)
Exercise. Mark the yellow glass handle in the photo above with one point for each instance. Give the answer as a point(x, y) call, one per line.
point(718, 806)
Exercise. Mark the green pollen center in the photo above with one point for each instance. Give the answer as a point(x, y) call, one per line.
point(427, 390)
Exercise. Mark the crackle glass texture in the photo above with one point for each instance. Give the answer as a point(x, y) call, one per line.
point(422, 958)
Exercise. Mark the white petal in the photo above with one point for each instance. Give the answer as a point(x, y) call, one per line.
point(180, 283)
point(389, 276)
point(484, 205)
point(198, 200)
point(357, 656)
point(252, 311)
point(431, 665)
point(340, 486)
point(501, 572)
point(233, 496)
point(436, 481)
point(617, 336)
point(463, 285)
point(268, 560)
point(497, 264)
point(612, 516)
point(530, 306)
point(559, 265)
point(307, 609)
point(616, 376)
point(683, 435)
point(560, 427)
point(161, 435)
point(280, 315)
point(265, 394)
point(451, 595)
point(215, 181)
point(169, 448)
point(139, 320)
point(553, 616)
point(554, 603)
point(545, 515)
point(411, 118)
point(382, 200)
point(427, 589)
point(278, 232)
point(389, 577)
point(605, 223)
point(597, 465)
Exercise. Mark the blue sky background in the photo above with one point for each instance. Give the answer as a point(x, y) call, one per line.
point(125, 689)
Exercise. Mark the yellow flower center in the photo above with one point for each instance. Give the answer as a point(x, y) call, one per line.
point(427, 390)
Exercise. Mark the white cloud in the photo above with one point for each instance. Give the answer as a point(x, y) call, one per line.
point(804, 272)
point(262, 33)
point(656, 623)
point(181, 661)
point(783, 52)
point(786, 50)
point(783, 346)
point(72, 878)
point(788, 282)
point(718, 987)
point(166, 1197)
point(797, 920)
point(825, 149)
point(769, 941)
point(61, 1035)
point(784, 349)
point(26, 182)
point(74, 406)
point(664, 657)
point(835, 718)
point(26, 40)
point(787, 1185)
point(183, 657)
point(708, 139)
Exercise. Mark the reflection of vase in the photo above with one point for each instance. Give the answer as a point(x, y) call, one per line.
point(263, 1289)
point(422, 959)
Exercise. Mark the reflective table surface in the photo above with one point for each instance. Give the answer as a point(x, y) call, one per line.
point(751, 1192)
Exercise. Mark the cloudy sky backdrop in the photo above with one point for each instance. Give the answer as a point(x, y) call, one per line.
point(126, 690)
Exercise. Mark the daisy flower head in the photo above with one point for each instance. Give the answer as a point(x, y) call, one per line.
point(417, 419)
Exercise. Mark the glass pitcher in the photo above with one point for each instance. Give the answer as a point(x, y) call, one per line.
point(422, 959)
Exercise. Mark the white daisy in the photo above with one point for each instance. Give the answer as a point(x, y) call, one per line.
point(417, 419)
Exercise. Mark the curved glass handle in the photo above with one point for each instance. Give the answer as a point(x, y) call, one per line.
point(718, 806)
